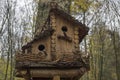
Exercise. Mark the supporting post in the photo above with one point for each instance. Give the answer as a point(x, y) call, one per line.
point(56, 78)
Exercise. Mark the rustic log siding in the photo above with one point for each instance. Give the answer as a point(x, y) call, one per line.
point(53, 37)
point(63, 46)
point(76, 39)
point(46, 43)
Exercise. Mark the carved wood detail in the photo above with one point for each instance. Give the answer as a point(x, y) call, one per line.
point(53, 37)
point(76, 39)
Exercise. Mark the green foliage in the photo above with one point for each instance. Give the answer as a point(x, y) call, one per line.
point(84, 5)
point(102, 61)
point(2, 65)
point(80, 5)
point(3, 69)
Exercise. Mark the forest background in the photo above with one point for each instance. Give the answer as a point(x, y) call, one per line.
point(19, 20)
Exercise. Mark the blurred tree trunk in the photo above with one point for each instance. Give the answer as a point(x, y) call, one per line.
point(102, 40)
point(43, 11)
point(9, 41)
point(9, 24)
point(116, 42)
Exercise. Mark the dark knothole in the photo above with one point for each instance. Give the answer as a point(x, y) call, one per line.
point(64, 29)
point(41, 47)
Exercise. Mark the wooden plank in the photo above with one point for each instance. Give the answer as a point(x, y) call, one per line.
point(52, 72)
point(56, 78)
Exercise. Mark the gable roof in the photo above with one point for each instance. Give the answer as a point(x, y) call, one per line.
point(64, 14)
point(83, 30)
point(42, 35)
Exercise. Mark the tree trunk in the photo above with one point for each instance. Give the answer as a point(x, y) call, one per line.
point(116, 54)
point(9, 33)
point(43, 11)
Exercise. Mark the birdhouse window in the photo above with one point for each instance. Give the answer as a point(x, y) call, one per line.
point(64, 29)
point(41, 47)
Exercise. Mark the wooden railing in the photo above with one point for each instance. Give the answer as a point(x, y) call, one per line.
point(69, 57)
point(28, 57)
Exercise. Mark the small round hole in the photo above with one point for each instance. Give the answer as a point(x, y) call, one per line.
point(41, 47)
point(64, 29)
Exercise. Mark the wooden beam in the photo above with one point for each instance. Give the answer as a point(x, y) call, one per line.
point(56, 78)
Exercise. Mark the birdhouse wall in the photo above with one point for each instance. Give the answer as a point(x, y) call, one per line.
point(42, 48)
point(67, 39)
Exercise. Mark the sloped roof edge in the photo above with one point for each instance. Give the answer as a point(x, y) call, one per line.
point(42, 35)
point(68, 17)
point(83, 29)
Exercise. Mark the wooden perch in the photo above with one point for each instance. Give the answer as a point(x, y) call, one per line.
point(69, 39)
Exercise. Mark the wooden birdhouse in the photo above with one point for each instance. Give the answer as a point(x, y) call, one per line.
point(55, 49)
